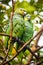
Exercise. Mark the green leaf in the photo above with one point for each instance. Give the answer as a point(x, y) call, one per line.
point(27, 53)
point(20, 56)
point(24, 61)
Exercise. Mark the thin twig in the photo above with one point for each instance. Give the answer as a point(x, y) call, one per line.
point(38, 48)
point(38, 63)
point(4, 50)
point(33, 53)
point(3, 45)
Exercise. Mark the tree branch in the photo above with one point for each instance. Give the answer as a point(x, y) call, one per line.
point(38, 63)
point(11, 30)
point(24, 46)
point(34, 47)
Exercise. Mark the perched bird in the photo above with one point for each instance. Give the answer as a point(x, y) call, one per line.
point(22, 28)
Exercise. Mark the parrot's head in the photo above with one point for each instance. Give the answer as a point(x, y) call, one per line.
point(21, 11)
point(27, 17)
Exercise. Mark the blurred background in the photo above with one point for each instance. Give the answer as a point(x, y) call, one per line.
point(33, 7)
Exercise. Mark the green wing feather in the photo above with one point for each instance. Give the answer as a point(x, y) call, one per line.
point(28, 33)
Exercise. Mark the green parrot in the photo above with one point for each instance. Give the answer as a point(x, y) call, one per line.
point(22, 27)
point(18, 25)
